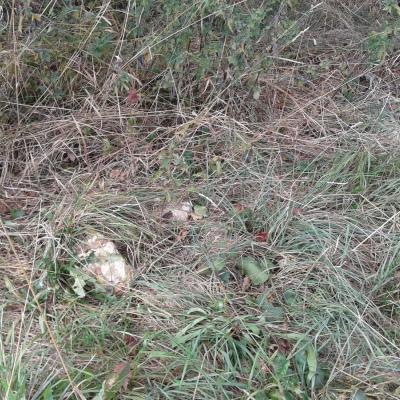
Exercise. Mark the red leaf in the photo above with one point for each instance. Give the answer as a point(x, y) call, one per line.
point(261, 236)
point(121, 372)
point(130, 340)
point(132, 97)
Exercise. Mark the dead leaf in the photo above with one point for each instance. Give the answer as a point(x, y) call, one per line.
point(118, 174)
point(117, 380)
point(4, 206)
point(283, 260)
point(200, 212)
point(196, 217)
point(176, 215)
point(131, 340)
point(182, 235)
point(101, 183)
point(246, 283)
point(284, 346)
point(71, 156)
point(239, 208)
point(264, 368)
point(298, 212)
point(261, 236)
point(179, 212)
point(133, 97)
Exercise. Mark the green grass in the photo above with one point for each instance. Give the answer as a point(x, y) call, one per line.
point(279, 122)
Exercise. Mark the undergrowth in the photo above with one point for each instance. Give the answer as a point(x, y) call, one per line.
point(279, 120)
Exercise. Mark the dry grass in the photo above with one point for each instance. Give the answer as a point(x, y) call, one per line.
point(312, 159)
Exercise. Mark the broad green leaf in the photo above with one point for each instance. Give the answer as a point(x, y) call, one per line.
point(301, 362)
point(218, 263)
point(17, 213)
point(42, 324)
point(312, 365)
point(79, 284)
point(200, 211)
point(359, 395)
point(256, 92)
point(225, 276)
point(185, 338)
point(267, 264)
point(102, 393)
point(281, 365)
point(320, 376)
point(275, 395)
point(253, 328)
point(254, 271)
point(273, 313)
point(182, 336)
point(47, 394)
point(290, 297)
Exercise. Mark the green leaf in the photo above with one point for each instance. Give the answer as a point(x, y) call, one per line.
point(253, 328)
point(301, 363)
point(201, 211)
point(253, 270)
point(225, 276)
point(186, 338)
point(359, 395)
point(196, 310)
point(17, 213)
point(256, 92)
point(321, 377)
point(281, 365)
point(47, 394)
point(312, 365)
point(79, 284)
point(275, 395)
point(182, 336)
point(273, 313)
point(102, 394)
point(290, 297)
point(267, 264)
point(218, 263)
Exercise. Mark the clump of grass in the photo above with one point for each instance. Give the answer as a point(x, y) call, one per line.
point(291, 155)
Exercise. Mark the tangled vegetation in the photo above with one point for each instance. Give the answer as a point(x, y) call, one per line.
point(277, 122)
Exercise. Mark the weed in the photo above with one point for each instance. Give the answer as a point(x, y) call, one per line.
point(275, 124)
